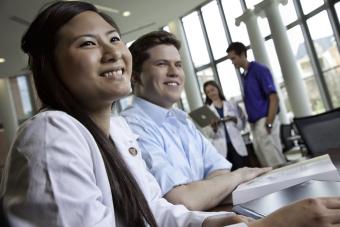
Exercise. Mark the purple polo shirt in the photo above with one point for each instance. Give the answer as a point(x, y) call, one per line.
point(258, 84)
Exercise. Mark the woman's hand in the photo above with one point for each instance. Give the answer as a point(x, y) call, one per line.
point(316, 212)
point(214, 125)
point(229, 118)
point(225, 219)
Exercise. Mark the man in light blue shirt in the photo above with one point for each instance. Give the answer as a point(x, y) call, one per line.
point(188, 168)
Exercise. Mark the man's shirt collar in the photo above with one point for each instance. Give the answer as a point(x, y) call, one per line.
point(159, 114)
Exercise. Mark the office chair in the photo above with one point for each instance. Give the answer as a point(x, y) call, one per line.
point(285, 134)
point(292, 145)
point(3, 219)
point(320, 132)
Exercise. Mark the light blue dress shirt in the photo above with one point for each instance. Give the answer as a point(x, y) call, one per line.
point(175, 151)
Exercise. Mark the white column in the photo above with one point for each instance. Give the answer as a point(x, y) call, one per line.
point(295, 87)
point(7, 111)
point(257, 44)
point(191, 85)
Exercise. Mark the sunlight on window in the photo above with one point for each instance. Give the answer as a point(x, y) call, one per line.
point(194, 34)
point(263, 26)
point(328, 53)
point(215, 30)
point(229, 80)
point(203, 76)
point(309, 5)
point(25, 95)
point(337, 9)
point(251, 3)
point(185, 102)
point(297, 43)
point(274, 61)
point(232, 10)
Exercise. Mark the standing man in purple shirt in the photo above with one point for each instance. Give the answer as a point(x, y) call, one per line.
point(262, 105)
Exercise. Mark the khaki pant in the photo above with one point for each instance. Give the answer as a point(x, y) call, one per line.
point(268, 148)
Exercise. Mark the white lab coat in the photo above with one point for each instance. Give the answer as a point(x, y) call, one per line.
point(55, 176)
point(218, 139)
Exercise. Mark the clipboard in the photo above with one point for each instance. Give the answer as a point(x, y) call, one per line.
point(203, 116)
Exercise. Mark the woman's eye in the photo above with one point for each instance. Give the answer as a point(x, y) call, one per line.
point(114, 39)
point(87, 43)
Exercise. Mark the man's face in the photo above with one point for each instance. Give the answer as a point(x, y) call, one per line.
point(237, 60)
point(162, 77)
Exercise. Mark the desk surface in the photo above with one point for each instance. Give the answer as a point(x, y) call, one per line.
point(269, 203)
point(334, 154)
point(274, 201)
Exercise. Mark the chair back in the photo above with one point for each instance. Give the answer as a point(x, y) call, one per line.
point(285, 134)
point(3, 218)
point(320, 132)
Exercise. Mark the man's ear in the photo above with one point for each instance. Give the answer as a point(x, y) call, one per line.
point(135, 78)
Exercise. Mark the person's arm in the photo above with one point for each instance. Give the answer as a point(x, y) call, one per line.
point(210, 192)
point(240, 122)
point(273, 106)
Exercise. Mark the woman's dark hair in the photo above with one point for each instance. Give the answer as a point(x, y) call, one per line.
point(39, 42)
point(208, 101)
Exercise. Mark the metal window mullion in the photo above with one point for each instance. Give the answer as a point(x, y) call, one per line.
point(192, 61)
point(320, 80)
point(334, 20)
point(210, 53)
point(229, 39)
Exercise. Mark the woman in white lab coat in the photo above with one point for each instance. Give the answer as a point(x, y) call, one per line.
point(225, 133)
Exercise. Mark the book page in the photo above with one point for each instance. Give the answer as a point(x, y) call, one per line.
point(301, 169)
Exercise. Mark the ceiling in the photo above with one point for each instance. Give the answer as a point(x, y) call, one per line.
point(146, 15)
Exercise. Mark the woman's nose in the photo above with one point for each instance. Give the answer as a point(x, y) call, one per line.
point(111, 53)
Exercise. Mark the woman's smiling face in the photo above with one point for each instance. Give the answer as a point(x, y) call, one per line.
point(92, 61)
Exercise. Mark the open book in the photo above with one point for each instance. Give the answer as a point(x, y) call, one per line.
point(318, 168)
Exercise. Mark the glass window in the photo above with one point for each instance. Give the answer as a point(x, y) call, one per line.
point(277, 74)
point(337, 9)
point(263, 26)
point(195, 38)
point(252, 3)
point(184, 102)
point(229, 80)
point(203, 76)
point(309, 5)
point(21, 97)
point(333, 83)
point(297, 43)
point(215, 30)
point(232, 10)
point(25, 95)
point(274, 61)
point(323, 40)
point(288, 13)
point(328, 53)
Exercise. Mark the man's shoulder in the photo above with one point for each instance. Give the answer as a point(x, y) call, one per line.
point(133, 112)
point(257, 65)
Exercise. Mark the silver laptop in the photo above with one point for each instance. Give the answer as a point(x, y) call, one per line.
point(203, 116)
